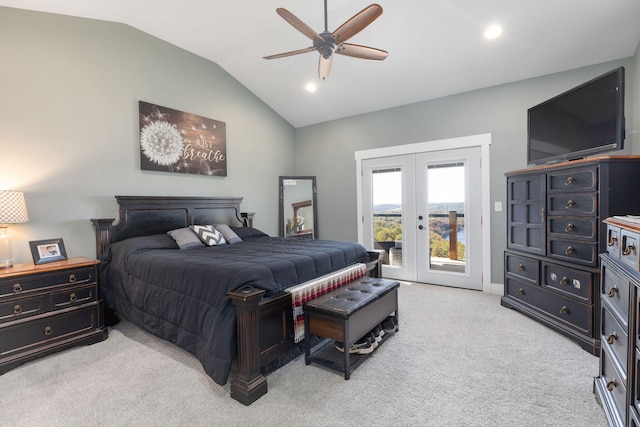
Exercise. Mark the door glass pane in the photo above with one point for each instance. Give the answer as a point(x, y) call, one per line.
point(387, 214)
point(446, 207)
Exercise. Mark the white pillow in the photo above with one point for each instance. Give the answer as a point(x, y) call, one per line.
point(208, 235)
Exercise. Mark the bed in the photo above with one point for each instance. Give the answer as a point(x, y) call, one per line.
point(227, 304)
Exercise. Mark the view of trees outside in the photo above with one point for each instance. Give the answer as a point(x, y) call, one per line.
point(444, 183)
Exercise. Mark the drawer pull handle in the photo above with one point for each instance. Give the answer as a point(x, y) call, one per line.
point(564, 310)
point(73, 297)
point(569, 181)
point(611, 385)
point(570, 204)
point(564, 281)
point(612, 338)
point(17, 309)
point(72, 278)
point(612, 292)
point(521, 268)
point(48, 330)
point(569, 228)
point(628, 250)
point(520, 291)
point(612, 241)
point(569, 251)
point(17, 288)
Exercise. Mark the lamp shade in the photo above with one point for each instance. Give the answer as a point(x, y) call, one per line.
point(13, 208)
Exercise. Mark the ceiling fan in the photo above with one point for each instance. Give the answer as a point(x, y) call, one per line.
point(327, 43)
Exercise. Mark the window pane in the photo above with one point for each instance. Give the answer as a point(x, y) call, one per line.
point(387, 214)
point(446, 204)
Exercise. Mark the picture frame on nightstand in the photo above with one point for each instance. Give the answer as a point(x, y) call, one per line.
point(49, 250)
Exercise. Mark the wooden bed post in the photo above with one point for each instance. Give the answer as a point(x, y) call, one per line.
point(250, 384)
point(104, 237)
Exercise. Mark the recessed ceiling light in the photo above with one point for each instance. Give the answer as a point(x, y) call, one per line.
point(311, 87)
point(493, 32)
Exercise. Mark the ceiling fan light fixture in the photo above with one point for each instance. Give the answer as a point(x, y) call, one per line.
point(327, 43)
point(311, 87)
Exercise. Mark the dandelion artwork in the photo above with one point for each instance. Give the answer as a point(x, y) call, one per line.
point(174, 141)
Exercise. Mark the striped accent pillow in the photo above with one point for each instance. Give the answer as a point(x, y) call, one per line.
point(209, 235)
point(185, 238)
point(230, 236)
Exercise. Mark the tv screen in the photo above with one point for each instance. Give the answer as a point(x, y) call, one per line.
point(583, 121)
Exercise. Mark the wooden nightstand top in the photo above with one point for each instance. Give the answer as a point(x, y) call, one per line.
point(29, 268)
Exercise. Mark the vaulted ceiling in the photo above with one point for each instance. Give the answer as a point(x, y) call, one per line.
point(436, 47)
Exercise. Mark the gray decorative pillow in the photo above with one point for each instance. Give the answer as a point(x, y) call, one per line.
point(230, 235)
point(209, 235)
point(185, 238)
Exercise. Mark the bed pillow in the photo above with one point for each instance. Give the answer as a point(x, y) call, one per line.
point(230, 236)
point(185, 238)
point(209, 235)
point(248, 232)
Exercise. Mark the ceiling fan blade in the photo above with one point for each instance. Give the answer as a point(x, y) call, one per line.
point(357, 23)
point(324, 67)
point(291, 53)
point(363, 52)
point(298, 24)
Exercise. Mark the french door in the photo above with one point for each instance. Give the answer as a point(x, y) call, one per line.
point(422, 212)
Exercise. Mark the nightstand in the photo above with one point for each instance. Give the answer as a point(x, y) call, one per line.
point(47, 308)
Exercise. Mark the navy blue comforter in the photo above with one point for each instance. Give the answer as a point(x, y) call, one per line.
point(181, 295)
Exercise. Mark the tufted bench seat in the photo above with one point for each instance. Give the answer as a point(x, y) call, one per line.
point(347, 314)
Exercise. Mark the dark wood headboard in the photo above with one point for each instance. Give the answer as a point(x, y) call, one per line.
point(147, 215)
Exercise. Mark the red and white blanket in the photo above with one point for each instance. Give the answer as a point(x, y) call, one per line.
point(314, 288)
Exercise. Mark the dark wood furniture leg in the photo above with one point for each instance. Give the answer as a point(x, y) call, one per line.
point(250, 384)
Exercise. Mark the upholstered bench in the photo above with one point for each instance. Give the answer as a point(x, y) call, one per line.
point(346, 315)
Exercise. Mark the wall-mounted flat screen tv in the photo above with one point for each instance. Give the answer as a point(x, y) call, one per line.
point(583, 121)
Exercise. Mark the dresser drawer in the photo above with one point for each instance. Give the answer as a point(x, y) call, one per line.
point(23, 336)
point(573, 204)
point(614, 384)
point(522, 267)
point(23, 307)
point(573, 180)
point(568, 311)
point(629, 249)
point(574, 251)
point(74, 296)
point(613, 241)
point(16, 286)
point(614, 290)
point(568, 281)
point(615, 336)
point(568, 228)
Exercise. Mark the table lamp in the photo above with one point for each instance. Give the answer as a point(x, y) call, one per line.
point(13, 210)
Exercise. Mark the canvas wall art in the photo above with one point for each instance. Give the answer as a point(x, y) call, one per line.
point(174, 141)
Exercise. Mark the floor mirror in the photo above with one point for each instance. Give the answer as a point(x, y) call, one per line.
point(298, 207)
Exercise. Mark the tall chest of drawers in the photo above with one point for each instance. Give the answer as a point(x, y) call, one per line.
point(554, 238)
point(47, 308)
point(618, 387)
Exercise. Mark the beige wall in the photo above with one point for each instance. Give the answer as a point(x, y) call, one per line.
point(69, 92)
point(327, 149)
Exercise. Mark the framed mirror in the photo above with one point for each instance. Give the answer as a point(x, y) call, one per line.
point(298, 207)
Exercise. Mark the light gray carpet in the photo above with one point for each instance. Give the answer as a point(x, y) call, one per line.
point(460, 359)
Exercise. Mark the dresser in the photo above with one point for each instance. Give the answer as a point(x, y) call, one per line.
point(617, 386)
point(554, 238)
point(46, 308)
